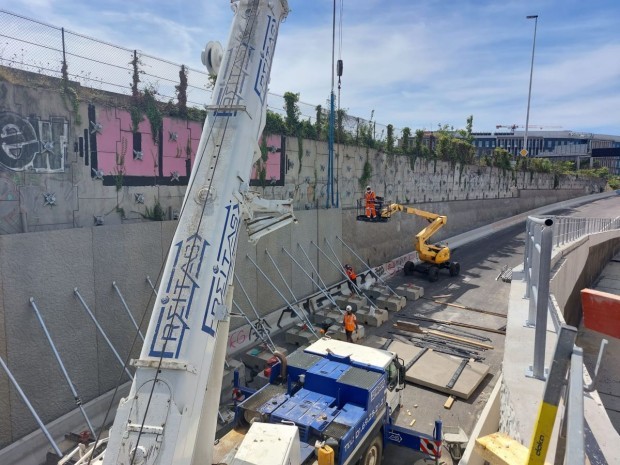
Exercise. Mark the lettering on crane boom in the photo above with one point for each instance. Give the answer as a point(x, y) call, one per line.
point(221, 270)
point(266, 57)
point(176, 303)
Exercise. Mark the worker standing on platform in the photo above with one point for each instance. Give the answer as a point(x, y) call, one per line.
point(350, 323)
point(352, 277)
point(371, 199)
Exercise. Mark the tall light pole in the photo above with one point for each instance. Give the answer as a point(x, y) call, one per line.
point(332, 120)
point(529, 94)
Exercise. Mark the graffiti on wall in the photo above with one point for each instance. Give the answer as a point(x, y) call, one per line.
point(9, 203)
point(33, 144)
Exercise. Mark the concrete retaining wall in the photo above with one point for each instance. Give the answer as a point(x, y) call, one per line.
point(49, 265)
point(66, 168)
point(577, 267)
point(66, 252)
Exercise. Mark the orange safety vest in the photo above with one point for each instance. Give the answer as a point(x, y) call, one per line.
point(370, 198)
point(351, 274)
point(349, 322)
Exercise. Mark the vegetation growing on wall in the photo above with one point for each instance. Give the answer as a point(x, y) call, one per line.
point(181, 89)
point(364, 180)
point(69, 93)
point(154, 213)
point(119, 170)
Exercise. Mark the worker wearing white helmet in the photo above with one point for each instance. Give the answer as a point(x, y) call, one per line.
point(350, 323)
point(371, 199)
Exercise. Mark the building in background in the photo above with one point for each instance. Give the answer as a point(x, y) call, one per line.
point(597, 150)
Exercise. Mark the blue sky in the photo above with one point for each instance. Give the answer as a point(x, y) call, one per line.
point(415, 63)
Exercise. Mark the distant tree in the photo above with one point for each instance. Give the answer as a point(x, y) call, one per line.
point(406, 135)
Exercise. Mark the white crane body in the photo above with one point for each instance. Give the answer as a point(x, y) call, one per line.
point(170, 414)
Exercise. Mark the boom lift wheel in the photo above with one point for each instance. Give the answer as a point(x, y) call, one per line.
point(374, 453)
point(433, 273)
point(409, 268)
point(455, 268)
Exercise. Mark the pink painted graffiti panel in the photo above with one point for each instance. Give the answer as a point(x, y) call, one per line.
point(274, 159)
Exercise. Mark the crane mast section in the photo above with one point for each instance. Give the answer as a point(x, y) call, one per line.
point(170, 414)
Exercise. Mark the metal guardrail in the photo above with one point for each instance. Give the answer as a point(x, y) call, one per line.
point(542, 235)
point(569, 229)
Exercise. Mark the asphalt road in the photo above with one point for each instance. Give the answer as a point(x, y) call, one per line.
point(478, 287)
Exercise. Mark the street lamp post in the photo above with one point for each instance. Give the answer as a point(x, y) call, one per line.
point(529, 94)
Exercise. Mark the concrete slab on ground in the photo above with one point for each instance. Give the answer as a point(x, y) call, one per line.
point(405, 351)
point(434, 370)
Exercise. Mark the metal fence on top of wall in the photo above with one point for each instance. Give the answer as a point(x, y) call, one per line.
point(41, 48)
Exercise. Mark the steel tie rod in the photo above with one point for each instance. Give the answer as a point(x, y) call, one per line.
point(291, 306)
point(370, 302)
point(280, 273)
point(92, 317)
point(321, 289)
point(78, 400)
point(370, 269)
point(31, 408)
point(118, 291)
point(264, 337)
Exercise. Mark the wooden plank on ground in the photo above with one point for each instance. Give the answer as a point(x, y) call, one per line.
point(455, 323)
point(465, 307)
point(415, 328)
point(500, 449)
point(449, 402)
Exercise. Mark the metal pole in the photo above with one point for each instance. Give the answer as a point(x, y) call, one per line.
point(118, 291)
point(291, 306)
point(34, 414)
point(575, 454)
point(76, 397)
point(332, 119)
point(358, 290)
point(542, 303)
point(529, 94)
point(321, 289)
point(314, 269)
point(543, 427)
point(148, 279)
point(92, 317)
point(263, 335)
point(278, 271)
point(370, 269)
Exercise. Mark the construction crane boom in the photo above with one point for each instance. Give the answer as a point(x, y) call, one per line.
point(170, 414)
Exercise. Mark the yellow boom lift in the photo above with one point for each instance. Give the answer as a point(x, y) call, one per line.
point(433, 257)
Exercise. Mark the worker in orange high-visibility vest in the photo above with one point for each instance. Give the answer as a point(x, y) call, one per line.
point(352, 277)
point(371, 199)
point(350, 323)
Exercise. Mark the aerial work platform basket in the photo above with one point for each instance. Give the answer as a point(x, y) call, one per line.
point(379, 218)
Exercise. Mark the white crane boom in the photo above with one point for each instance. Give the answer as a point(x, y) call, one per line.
point(170, 414)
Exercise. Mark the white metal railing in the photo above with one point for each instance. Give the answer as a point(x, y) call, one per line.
point(569, 229)
point(542, 234)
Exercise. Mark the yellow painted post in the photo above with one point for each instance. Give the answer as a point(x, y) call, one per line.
point(551, 397)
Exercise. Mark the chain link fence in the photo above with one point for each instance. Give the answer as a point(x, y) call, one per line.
point(30, 45)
